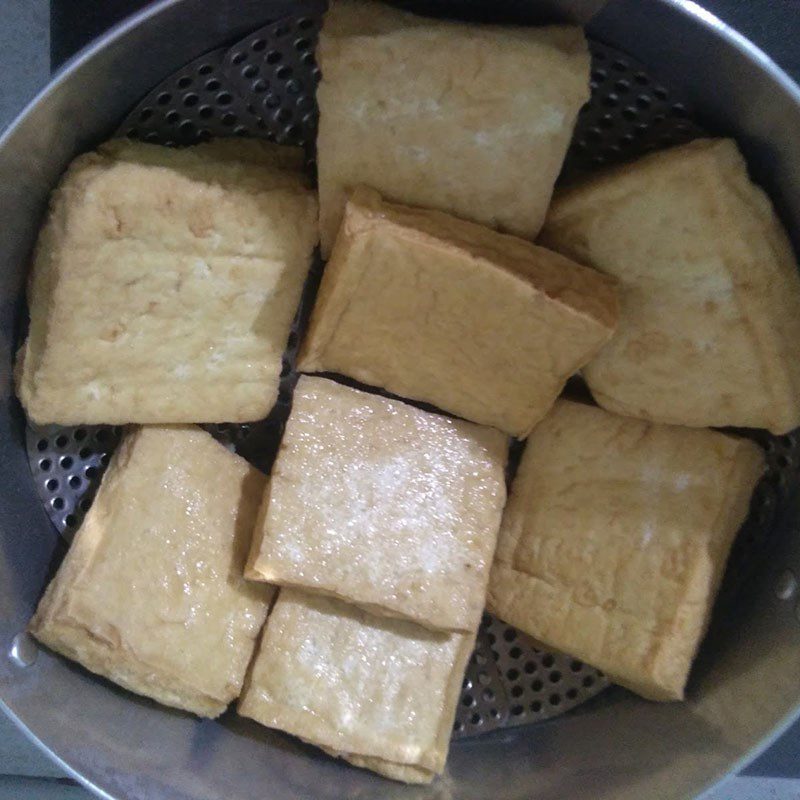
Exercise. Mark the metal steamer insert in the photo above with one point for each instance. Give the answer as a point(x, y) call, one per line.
point(263, 86)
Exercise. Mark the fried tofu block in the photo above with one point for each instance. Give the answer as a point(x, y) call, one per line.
point(151, 593)
point(483, 325)
point(165, 282)
point(382, 504)
point(709, 331)
point(379, 692)
point(614, 541)
point(470, 119)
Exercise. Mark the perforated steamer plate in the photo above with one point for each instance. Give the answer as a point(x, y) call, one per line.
point(264, 87)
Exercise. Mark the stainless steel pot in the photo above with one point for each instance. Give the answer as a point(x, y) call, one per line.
point(746, 685)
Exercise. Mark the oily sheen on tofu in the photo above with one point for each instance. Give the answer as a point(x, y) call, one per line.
point(378, 692)
point(165, 282)
point(151, 594)
point(709, 331)
point(614, 541)
point(483, 325)
point(384, 505)
point(470, 119)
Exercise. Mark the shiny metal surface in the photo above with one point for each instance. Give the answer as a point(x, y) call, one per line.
point(262, 86)
point(510, 681)
point(746, 682)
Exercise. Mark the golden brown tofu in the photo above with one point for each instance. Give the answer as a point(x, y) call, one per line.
point(379, 692)
point(709, 332)
point(151, 593)
point(470, 119)
point(615, 538)
point(485, 326)
point(165, 282)
point(382, 504)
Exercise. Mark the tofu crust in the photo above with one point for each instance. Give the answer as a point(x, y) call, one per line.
point(709, 331)
point(151, 594)
point(482, 325)
point(615, 538)
point(445, 115)
point(378, 692)
point(384, 505)
point(164, 284)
